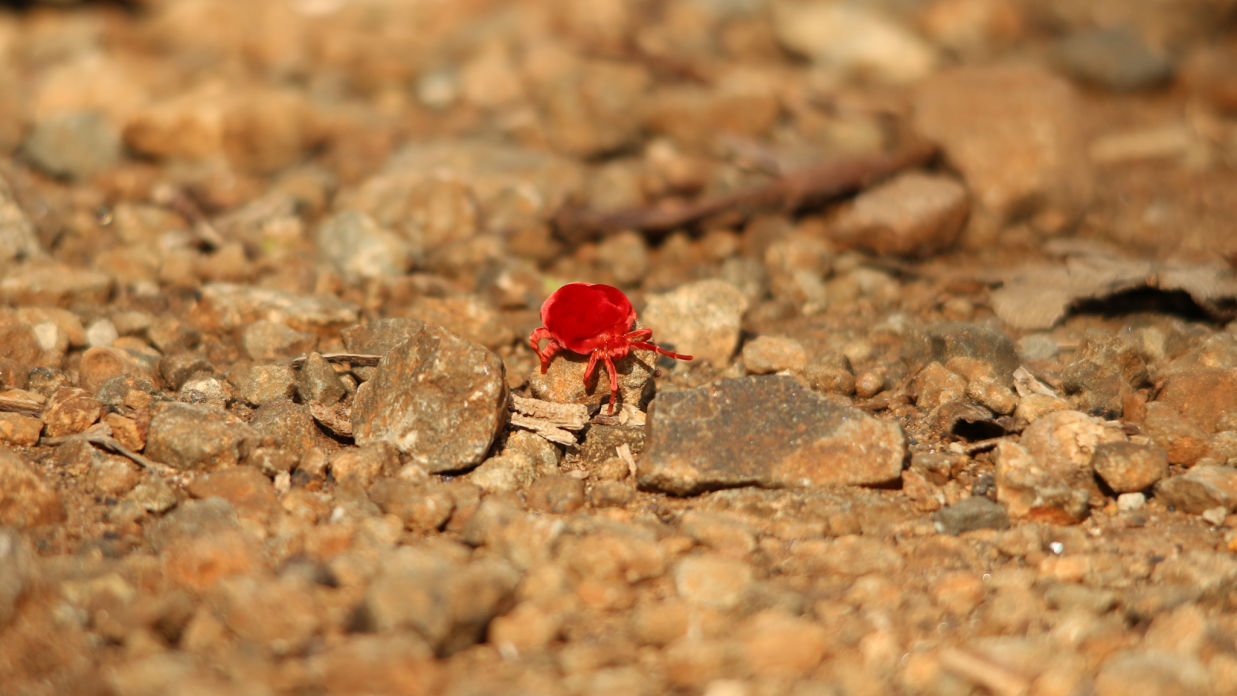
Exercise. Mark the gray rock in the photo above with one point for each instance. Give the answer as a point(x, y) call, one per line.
point(359, 249)
point(1127, 467)
point(449, 604)
point(437, 398)
point(154, 496)
point(507, 472)
point(198, 437)
point(230, 306)
point(976, 512)
point(700, 319)
point(75, 145)
point(1200, 489)
point(1114, 58)
point(765, 431)
point(17, 570)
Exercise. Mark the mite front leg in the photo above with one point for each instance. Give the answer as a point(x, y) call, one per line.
point(535, 339)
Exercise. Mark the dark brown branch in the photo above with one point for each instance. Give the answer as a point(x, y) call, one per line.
point(793, 191)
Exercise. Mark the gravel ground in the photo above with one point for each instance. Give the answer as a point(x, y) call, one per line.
point(957, 277)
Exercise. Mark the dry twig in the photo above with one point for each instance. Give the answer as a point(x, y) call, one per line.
point(355, 359)
point(103, 439)
point(26, 408)
point(790, 192)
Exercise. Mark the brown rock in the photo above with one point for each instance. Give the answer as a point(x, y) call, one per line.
point(1064, 442)
point(556, 494)
point(439, 399)
point(189, 436)
point(713, 580)
point(101, 363)
point(69, 411)
point(271, 341)
point(981, 116)
point(1027, 488)
point(1200, 489)
point(26, 500)
point(246, 488)
point(700, 319)
point(780, 644)
point(913, 214)
point(420, 507)
point(766, 431)
point(1204, 396)
point(1127, 467)
point(278, 614)
point(363, 465)
point(1184, 440)
point(767, 354)
point(290, 425)
point(16, 429)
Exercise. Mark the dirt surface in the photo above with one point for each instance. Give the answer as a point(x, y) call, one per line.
point(956, 276)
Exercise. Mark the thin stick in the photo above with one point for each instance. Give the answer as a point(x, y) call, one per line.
point(361, 359)
point(790, 192)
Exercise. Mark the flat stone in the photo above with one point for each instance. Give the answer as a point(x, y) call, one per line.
point(438, 398)
point(55, 285)
point(968, 514)
point(1127, 467)
point(229, 306)
point(912, 214)
point(197, 437)
point(767, 431)
point(270, 341)
point(26, 500)
point(1200, 489)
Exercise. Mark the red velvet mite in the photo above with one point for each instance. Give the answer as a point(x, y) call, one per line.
point(594, 320)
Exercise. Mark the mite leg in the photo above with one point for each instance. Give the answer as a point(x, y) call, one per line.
point(644, 345)
point(613, 381)
point(535, 339)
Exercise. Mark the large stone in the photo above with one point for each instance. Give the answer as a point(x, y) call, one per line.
point(765, 431)
point(438, 398)
point(229, 306)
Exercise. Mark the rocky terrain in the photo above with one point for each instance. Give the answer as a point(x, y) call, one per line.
point(957, 277)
